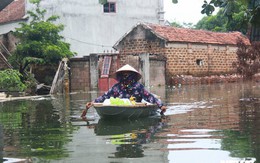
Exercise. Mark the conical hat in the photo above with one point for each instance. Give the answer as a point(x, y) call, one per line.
point(127, 67)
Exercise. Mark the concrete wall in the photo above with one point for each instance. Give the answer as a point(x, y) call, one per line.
point(89, 30)
point(157, 72)
point(7, 27)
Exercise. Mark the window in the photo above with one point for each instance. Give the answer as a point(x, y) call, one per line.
point(109, 7)
point(199, 62)
point(106, 66)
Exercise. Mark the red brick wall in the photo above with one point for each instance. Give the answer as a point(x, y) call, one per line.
point(182, 60)
point(130, 55)
point(139, 46)
point(14, 11)
point(79, 74)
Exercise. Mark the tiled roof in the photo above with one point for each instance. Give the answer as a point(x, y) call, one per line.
point(14, 11)
point(173, 34)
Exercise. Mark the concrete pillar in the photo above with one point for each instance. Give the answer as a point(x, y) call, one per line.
point(145, 67)
point(161, 12)
point(93, 67)
point(66, 83)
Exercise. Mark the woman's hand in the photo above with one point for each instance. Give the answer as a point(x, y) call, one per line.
point(163, 110)
point(88, 105)
point(84, 112)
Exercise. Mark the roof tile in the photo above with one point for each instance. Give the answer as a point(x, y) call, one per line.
point(14, 11)
point(173, 34)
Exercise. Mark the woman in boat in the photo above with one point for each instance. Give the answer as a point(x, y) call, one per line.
point(127, 86)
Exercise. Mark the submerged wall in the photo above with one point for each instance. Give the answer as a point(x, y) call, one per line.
point(85, 71)
point(79, 74)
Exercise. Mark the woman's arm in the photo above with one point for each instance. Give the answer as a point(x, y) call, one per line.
point(107, 95)
point(147, 96)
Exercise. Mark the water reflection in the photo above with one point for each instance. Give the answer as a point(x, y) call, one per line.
point(33, 128)
point(1, 143)
point(204, 123)
point(213, 120)
point(130, 135)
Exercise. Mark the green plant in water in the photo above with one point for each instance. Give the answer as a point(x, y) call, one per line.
point(10, 80)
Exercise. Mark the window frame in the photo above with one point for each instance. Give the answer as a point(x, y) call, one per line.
point(106, 66)
point(109, 9)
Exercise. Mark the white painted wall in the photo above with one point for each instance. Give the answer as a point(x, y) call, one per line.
point(89, 30)
point(7, 27)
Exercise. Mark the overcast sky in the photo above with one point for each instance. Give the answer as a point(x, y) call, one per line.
point(187, 11)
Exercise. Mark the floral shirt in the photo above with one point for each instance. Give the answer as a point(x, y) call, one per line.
point(135, 89)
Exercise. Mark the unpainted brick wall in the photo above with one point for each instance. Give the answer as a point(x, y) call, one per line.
point(215, 60)
point(79, 74)
point(182, 58)
point(130, 55)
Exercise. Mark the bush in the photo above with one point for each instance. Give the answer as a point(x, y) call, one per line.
point(10, 80)
point(248, 62)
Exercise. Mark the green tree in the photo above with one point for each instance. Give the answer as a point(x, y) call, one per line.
point(182, 25)
point(220, 22)
point(252, 9)
point(176, 24)
point(40, 41)
point(215, 23)
point(10, 80)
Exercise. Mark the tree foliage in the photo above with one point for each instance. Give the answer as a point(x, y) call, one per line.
point(176, 24)
point(248, 59)
point(216, 23)
point(10, 80)
point(40, 41)
point(220, 22)
point(252, 9)
point(182, 25)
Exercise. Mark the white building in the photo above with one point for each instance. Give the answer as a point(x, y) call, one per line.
point(91, 27)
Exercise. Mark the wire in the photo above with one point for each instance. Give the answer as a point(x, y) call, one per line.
point(89, 43)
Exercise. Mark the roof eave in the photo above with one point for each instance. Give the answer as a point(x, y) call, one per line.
point(146, 26)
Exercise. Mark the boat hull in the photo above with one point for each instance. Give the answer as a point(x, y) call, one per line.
point(125, 112)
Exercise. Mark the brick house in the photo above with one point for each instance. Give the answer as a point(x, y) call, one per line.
point(188, 51)
point(11, 14)
point(160, 53)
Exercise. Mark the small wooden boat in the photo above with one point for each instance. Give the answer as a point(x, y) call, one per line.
point(126, 111)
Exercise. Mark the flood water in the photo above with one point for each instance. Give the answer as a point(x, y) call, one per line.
point(217, 123)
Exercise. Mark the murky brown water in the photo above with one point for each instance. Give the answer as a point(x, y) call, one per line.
point(216, 123)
